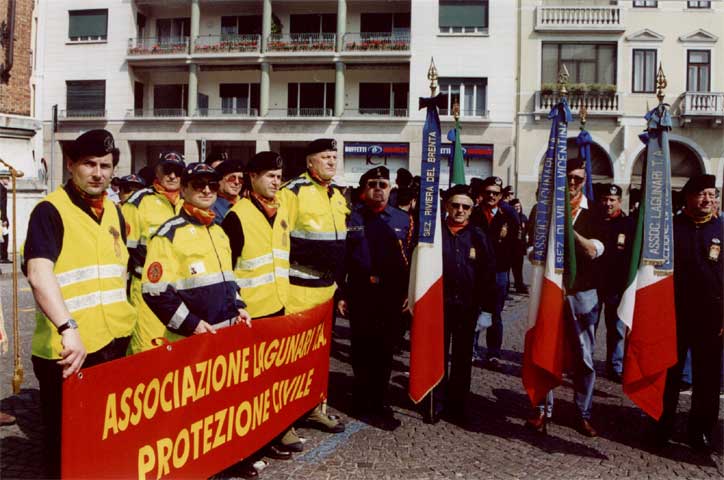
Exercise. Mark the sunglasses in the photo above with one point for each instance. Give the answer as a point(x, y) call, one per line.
point(576, 178)
point(168, 169)
point(378, 184)
point(234, 178)
point(492, 192)
point(200, 185)
point(464, 206)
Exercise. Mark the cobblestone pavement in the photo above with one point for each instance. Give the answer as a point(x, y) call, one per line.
point(493, 445)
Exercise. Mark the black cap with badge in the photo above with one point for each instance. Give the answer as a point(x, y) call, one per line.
point(321, 145)
point(459, 190)
point(611, 190)
point(377, 172)
point(698, 183)
point(198, 169)
point(263, 161)
point(228, 166)
point(93, 143)
point(497, 181)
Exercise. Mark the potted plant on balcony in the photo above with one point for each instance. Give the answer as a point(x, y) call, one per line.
point(578, 89)
point(548, 89)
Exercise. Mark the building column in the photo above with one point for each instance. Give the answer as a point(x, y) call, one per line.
point(262, 146)
point(264, 90)
point(193, 89)
point(191, 151)
point(339, 89)
point(195, 20)
point(266, 23)
point(341, 23)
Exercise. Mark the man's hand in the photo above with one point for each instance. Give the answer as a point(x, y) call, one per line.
point(73, 353)
point(406, 306)
point(204, 327)
point(342, 307)
point(244, 317)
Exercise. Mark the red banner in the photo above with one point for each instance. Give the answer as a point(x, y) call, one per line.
point(194, 407)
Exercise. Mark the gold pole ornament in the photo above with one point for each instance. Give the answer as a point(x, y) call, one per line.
point(661, 83)
point(18, 374)
point(432, 76)
point(583, 113)
point(563, 77)
point(456, 111)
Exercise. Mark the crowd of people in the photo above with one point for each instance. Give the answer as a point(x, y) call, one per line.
point(187, 249)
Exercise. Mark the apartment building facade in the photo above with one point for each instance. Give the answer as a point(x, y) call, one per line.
point(612, 51)
point(242, 76)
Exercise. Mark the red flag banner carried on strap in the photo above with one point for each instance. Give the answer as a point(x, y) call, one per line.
point(192, 408)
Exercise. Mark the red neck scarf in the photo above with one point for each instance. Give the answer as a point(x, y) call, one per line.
point(232, 199)
point(576, 204)
point(269, 206)
point(489, 214)
point(698, 220)
point(318, 179)
point(456, 227)
point(172, 197)
point(95, 202)
point(616, 215)
point(206, 217)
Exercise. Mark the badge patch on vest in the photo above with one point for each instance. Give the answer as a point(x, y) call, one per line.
point(714, 249)
point(116, 243)
point(196, 268)
point(154, 272)
point(472, 254)
point(621, 241)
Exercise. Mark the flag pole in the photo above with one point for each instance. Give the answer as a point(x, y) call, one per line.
point(432, 76)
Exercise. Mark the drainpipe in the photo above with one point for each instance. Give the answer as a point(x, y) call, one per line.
point(7, 40)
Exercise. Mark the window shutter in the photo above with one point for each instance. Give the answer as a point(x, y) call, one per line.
point(88, 23)
point(86, 96)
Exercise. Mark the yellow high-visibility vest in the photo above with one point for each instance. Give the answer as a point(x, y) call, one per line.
point(91, 272)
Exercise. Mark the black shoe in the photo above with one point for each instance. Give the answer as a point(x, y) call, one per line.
point(277, 453)
point(523, 290)
point(243, 469)
point(615, 377)
point(430, 418)
point(699, 442)
point(493, 363)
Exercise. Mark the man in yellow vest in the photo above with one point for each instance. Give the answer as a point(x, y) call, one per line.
point(145, 211)
point(317, 218)
point(76, 259)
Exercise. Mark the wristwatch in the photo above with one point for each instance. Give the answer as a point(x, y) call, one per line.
point(69, 324)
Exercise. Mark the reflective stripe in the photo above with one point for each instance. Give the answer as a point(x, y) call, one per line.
point(281, 272)
point(318, 235)
point(131, 243)
point(256, 281)
point(105, 297)
point(252, 263)
point(293, 272)
point(282, 254)
point(197, 281)
point(89, 273)
point(178, 316)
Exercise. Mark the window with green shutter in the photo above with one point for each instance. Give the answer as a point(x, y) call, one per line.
point(85, 98)
point(87, 25)
point(463, 16)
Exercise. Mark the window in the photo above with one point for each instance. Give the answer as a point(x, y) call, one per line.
point(385, 23)
point(644, 71)
point(463, 16)
point(310, 99)
point(172, 30)
point(87, 25)
point(313, 23)
point(383, 99)
point(170, 100)
point(242, 98)
point(85, 98)
point(586, 62)
point(470, 93)
point(645, 4)
point(244, 25)
point(698, 70)
point(699, 4)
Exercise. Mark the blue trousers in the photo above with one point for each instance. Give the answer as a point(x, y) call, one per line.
point(494, 333)
point(615, 331)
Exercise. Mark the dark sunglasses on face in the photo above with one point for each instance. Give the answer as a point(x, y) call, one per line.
point(199, 185)
point(234, 178)
point(491, 192)
point(378, 184)
point(576, 178)
point(168, 169)
point(464, 206)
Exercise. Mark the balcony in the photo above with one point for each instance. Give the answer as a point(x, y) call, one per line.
point(227, 113)
point(156, 113)
point(600, 104)
point(223, 44)
point(376, 42)
point(467, 114)
point(300, 112)
point(155, 47)
point(80, 115)
point(703, 106)
point(579, 19)
point(301, 42)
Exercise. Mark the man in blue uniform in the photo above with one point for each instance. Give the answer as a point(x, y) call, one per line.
point(232, 180)
point(613, 268)
point(698, 269)
point(375, 292)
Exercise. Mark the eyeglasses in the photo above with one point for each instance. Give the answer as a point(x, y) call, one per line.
point(200, 185)
point(234, 178)
point(491, 192)
point(168, 169)
point(378, 184)
point(576, 178)
point(457, 206)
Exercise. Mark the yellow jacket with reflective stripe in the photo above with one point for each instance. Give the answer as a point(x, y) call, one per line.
point(262, 269)
point(318, 219)
point(188, 276)
point(91, 272)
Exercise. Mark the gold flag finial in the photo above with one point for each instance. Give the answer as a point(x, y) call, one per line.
point(660, 83)
point(563, 76)
point(456, 111)
point(432, 76)
point(583, 113)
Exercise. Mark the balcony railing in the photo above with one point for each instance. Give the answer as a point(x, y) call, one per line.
point(82, 114)
point(156, 113)
point(227, 43)
point(370, 42)
point(580, 19)
point(300, 112)
point(467, 112)
point(158, 46)
point(601, 103)
point(377, 112)
point(301, 42)
point(703, 104)
point(227, 112)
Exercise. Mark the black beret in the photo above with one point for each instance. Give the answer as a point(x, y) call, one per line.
point(171, 158)
point(147, 174)
point(198, 169)
point(574, 164)
point(377, 172)
point(94, 143)
point(228, 166)
point(459, 190)
point(321, 145)
point(497, 181)
point(264, 161)
point(698, 183)
point(404, 177)
point(132, 179)
point(612, 189)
